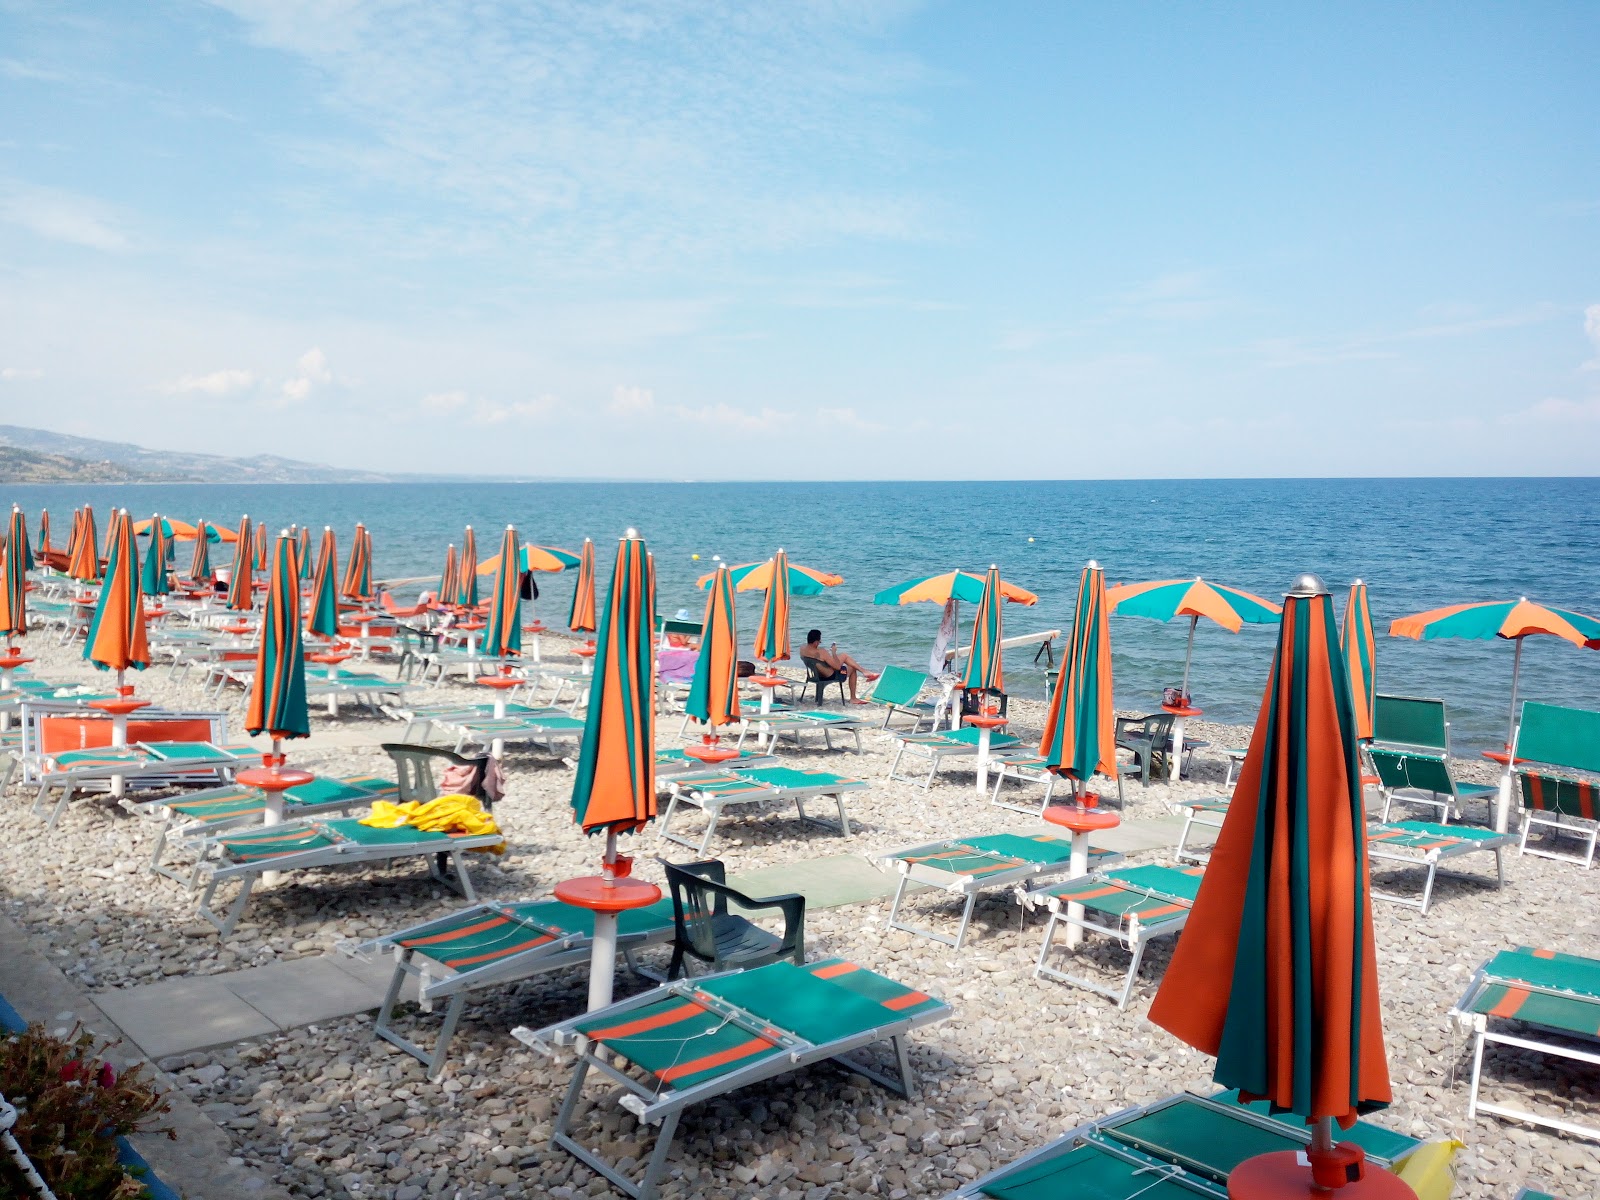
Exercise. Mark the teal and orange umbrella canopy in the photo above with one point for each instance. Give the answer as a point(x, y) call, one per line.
point(985, 668)
point(177, 531)
point(322, 614)
point(14, 577)
point(502, 635)
point(758, 576)
point(714, 691)
point(84, 563)
point(957, 585)
point(357, 583)
point(536, 558)
point(260, 546)
point(277, 704)
point(1360, 650)
point(615, 788)
point(44, 531)
point(1276, 973)
point(1080, 724)
point(772, 631)
point(302, 552)
point(466, 595)
point(200, 564)
point(447, 578)
point(240, 594)
point(580, 618)
point(157, 556)
point(116, 640)
point(1164, 599)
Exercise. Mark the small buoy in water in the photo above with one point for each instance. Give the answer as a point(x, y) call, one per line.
point(1030, 539)
point(696, 557)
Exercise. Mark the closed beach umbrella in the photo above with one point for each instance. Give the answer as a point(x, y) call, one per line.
point(154, 579)
point(467, 572)
point(357, 583)
point(260, 546)
point(323, 614)
point(1164, 599)
point(278, 693)
point(614, 790)
point(14, 578)
point(714, 693)
point(116, 639)
point(200, 564)
point(1080, 724)
point(772, 633)
point(1511, 620)
point(85, 563)
point(302, 552)
point(758, 576)
point(985, 670)
point(44, 531)
point(447, 578)
point(1276, 973)
point(502, 636)
point(239, 587)
point(581, 618)
point(1360, 651)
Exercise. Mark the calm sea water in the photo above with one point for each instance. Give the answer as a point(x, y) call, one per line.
point(1418, 543)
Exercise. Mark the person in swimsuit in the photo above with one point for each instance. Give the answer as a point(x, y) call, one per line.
point(830, 663)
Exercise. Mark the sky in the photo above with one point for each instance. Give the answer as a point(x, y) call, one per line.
point(830, 240)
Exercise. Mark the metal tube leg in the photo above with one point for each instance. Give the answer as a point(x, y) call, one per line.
point(658, 1156)
point(1427, 888)
point(452, 1015)
point(1137, 946)
point(966, 918)
point(1477, 1073)
point(908, 1080)
point(1049, 936)
point(899, 894)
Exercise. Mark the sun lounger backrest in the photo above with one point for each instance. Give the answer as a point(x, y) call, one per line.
point(1562, 737)
point(1422, 772)
point(898, 685)
point(1558, 794)
point(1411, 721)
point(58, 733)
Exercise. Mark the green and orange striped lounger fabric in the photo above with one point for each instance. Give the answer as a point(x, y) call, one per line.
point(1210, 812)
point(493, 945)
point(694, 1040)
point(1134, 905)
point(1564, 803)
point(153, 764)
point(1427, 844)
point(968, 866)
point(943, 744)
point(712, 792)
point(1518, 997)
point(318, 844)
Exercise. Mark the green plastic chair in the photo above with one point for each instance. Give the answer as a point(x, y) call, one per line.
point(706, 932)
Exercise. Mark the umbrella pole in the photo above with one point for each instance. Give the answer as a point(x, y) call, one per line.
point(1516, 669)
point(1189, 653)
point(1502, 806)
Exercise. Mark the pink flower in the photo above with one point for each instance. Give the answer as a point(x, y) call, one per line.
point(107, 1077)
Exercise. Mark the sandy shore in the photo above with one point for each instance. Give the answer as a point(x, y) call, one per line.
point(329, 1111)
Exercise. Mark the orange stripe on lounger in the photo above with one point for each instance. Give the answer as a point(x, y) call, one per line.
point(669, 1016)
point(1095, 894)
point(906, 1001)
point(843, 968)
point(1544, 953)
point(1509, 1003)
point(450, 935)
point(731, 1054)
point(1164, 910)
point(500, 953)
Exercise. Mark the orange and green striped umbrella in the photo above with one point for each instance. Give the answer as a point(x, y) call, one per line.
point(447, 578)
point(278, 693)
point(536, 558)
point(322, 616)
point(260, 547)
point(985, 669)
point(615, 786)
point(1080, 725)
point(303, 552)
point(1360, 650)
point(958, 585)
point(44, 531)
point(758, 576)
point(14, 580)
point(116, 639)
point(357, 583)
point(1276, 972)
point(200, 565)
point(1511, 620)
point(240, 597)
point(1164, 599)
point(466, 573)
point(85, 561)
point(772, 633)
point(714, 692)
point(502, 636)
point(581, 617)
point(153, 580)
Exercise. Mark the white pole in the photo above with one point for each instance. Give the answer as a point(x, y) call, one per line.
point(1189, 653)
point(603, 958)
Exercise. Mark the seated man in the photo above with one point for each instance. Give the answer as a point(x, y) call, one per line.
point(830, 663)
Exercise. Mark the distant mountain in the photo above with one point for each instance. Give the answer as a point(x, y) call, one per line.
point(41, 456)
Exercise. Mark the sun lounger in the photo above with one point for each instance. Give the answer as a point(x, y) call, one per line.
point(896, 692)
point(1423, 843)
point(429, 716)
point(776, 725)
point(969, 866)
point(713, 792)
point(1180, 1148)
point(1564, 803)
point(1209, 811)
point(694, 1040)
point(151, 764)
point(675, 761)
point(943, 744)
point(1560, 749)
point(494, 945)
point(1025, 766)
point(1134, 905)
point(318, 844)
point(1418, 777)
point(1537, 993)
point(544, 732)
point(56, 726)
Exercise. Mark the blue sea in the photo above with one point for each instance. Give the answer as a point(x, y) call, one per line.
point(1419, 543)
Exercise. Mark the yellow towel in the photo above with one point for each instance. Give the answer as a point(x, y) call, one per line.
point(1430, 1169)
point(443, 814)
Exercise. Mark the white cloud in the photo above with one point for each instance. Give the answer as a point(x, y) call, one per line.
point(631, 401)
point(1558, 410)
point(61, 216)
point(10, 373)
point(217, 383)
point(314, 372)
point(848, 418)
point(1591, 330)
point(444, 402)
point(492, 413)
point(726, 416)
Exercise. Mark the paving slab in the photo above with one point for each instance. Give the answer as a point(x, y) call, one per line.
point(184, 1014)
point(830, 882)
point(302, 991)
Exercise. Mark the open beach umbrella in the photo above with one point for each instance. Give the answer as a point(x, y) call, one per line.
point(466, 595)
point(200, 564)
point(758, 576)
point(1276, 973)
point(116, 640)
point(714, 692)
point(772, 632)
point(1512, 620)
point(240, 598)
point(1360, 650)
point(1080, 724)
point(447, 577)
point(277, 702)
point(535, 558)
point(502, 636)
point(357, 583)
point(581, 617)
point(1164, 599)
point(614, 790)
point(173, 531)
point(985, 670)
point(952, 585)
point(154, 579)
point(85, 561)
point(322, 615)
point(44, 531)
point(14, 578)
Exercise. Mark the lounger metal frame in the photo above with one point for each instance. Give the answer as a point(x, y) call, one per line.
point(775, 725)
point(665, 1107)
point(1027, 766)
point(938, 747)
point(1199, 811)
point(683, 789)
point(152, 770)
point(1587, 828)
point(1432, 858)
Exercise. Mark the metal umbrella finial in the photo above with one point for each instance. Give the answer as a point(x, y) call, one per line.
point(1308, 583)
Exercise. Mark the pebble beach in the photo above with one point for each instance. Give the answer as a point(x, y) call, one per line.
point(329, 1111)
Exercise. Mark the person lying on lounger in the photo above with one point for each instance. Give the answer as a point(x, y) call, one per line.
point(830, 663)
